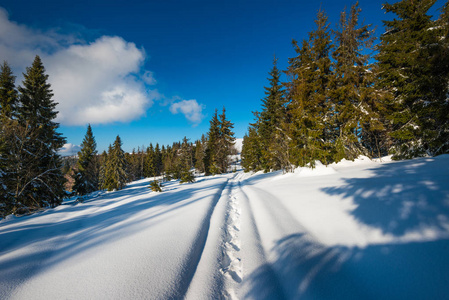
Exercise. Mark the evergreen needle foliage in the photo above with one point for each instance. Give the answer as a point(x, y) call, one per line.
point(31, 172)
point(155, 186)
point(86, 177)
point(338, 104)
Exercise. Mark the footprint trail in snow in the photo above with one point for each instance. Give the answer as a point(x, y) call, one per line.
point(232, 263)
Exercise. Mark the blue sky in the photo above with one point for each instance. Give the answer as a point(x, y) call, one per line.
point(154, 71)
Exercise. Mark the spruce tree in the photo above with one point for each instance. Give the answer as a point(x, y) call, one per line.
point(352, 94)
point(409, 67)
point(158, 160)
point(225, 143)
point(185, 162)
point(8, 93)
point(199, 153)
point(115, 171)
point(311, 131)
point(155, 186)
point(5, 198)
point(269, 122)
point(8, 110)
point(302, 132)
point(210, 159)
point(86, 177)
point(320, 106)
point(440, 71)
point(102, 162)
point(251, 151)
point(150, 162)
point(44, 183)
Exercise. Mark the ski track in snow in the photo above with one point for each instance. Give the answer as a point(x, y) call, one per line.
point(240, 236)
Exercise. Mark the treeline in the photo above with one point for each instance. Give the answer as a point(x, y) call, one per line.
point(347, 96)
point(113, 169)
point(33, 175)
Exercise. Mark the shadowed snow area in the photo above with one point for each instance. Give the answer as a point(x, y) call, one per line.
point(353, 230)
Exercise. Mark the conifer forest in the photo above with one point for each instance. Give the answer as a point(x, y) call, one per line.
point(344, 94)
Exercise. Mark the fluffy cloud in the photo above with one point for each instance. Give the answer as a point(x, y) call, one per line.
point(190, 109)
point(69, 150)
point(98, 82)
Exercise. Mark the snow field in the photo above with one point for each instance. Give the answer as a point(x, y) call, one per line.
point(353, 230)
point(120, 247)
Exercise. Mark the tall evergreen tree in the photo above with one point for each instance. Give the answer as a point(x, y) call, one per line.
point(321, 107)
point(150, 162)
point(115, 171)
point(102, 162)
point(44, 183)
point(86, 177)
point(409, 66)
point(440, 71)
point(269, 123)
point(199, 153)
point(8, 110)
point(302, 132)
point(158, 160)
point(210, 160)
point(5, 198)
point(220, 140)
point(225, 142)
point(8, 93)
point(309, 111)
point(352, 94)
point(251, 151)
point(185, 162)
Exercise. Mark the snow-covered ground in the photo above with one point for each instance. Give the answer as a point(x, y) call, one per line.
point(353, 230)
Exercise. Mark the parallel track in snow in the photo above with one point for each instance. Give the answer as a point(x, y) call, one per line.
point(193, 258)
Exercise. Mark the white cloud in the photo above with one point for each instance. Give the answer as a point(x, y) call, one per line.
point(190, 109)
point(69, 150)
point(98, 82)
point(148, 77)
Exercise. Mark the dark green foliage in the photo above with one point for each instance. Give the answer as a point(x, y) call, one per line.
point(86, 176)
point(200, 146)
point(312, 137)
point(115, 176)
point(225, 143)
point(136, 164)
point(102, 160)
point(213, 135)
point(150, 168)
point(411, 61)
point(155, 186)
point(265, 148)
point(8, 110)
point(185, 162)
point(352, 93)
point(5, 197)
point(8, 93)
point(220, 140)
point(42, 185)
point(31, 168)
point(269, 123)
point(251, 151)
point(187, 177)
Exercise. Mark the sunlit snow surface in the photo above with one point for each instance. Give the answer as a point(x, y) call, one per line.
point(353, 230)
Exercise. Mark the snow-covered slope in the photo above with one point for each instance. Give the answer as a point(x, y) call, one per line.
point(353, 230)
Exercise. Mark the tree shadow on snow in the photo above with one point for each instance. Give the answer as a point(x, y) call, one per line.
point(94, 223)
point(403, 196)
point(400, 198)
point(307, 269)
